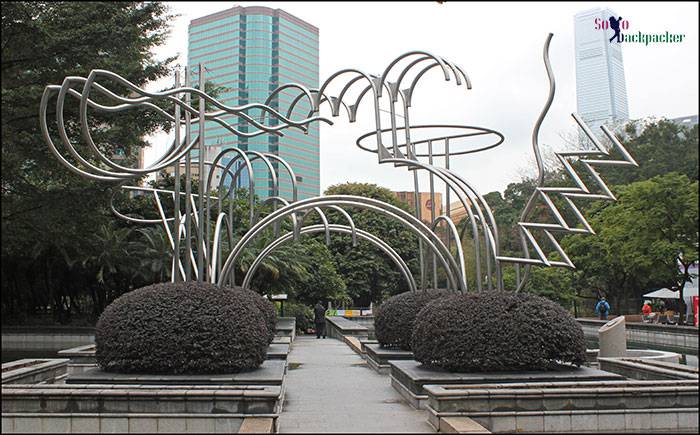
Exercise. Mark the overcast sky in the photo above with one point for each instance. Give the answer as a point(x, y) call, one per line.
point(500, 48)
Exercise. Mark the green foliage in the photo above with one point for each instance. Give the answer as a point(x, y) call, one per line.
point(154, 254)
point(554, 283)
point(394, 319)
point(661, 147)
point(369, 274)
point(641, 237)
point(325, 282)
point(58, 234)
point(186, 327)
point(496, 331)
point(303, 314)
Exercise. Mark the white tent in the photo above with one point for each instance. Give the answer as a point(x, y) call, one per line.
point(663, 293)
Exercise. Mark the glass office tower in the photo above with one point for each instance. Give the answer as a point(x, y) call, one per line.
point(248, 52)
point(601, 93)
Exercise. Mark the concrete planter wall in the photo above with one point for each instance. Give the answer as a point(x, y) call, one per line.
point(617, 406)
point(82, 358)
point(675, 338)
point(172, 404)
point(643, 369)
point(409, 378)
point(45, 339)
point(338, 327)
point(136, 409)
point(32, 371)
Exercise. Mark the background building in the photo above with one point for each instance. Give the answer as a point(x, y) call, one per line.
point(687, 121)
point(425, 201)
point(601, 93)
point(458, 212)
point(250, 51)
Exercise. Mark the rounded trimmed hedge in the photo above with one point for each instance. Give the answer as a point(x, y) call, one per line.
point(393, 321)
point(182, 328)
point(496, 331)
point(267, 309)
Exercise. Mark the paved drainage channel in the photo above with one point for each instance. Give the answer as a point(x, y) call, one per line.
point(336, 392)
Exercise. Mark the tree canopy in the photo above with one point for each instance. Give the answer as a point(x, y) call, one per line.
point(369, 274)
point(640, 238)
point(52, 219)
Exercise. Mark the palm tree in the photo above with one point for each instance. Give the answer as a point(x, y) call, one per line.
point(109, 256)
point(154, 253)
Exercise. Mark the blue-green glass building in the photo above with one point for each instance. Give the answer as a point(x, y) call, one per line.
point(248, 52)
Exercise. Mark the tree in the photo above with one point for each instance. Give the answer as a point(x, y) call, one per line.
point(554, 283)
point(641, 238)
point(49, 214)
point(369, 274)
point(110, 259)
point(659, 147)
point(154, 254)
point(324, 281)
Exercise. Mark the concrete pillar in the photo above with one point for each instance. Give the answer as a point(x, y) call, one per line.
point(612, 338)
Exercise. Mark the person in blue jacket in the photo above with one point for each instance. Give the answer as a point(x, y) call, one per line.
point(602, 308)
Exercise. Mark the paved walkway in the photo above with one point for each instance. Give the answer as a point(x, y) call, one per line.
point(331, 389)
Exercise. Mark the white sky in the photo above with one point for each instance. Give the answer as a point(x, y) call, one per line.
point(500, 48)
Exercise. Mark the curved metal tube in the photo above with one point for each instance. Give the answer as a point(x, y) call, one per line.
point(538, 157)
point(322, 215)
point(351, 223)
point(395, 257)
point(216, 246)
point(449, 178)
point(411, 53)
point(224, 109)
point(104, 174)
point(227, 171)
point(382, 151)
point(455, 235)
point(290, 172)
point(415, 225)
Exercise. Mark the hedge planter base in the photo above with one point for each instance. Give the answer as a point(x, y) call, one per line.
point(104, 403)
point(271, 372)
point(378, 357)
point(409, 378)
point(278, 351)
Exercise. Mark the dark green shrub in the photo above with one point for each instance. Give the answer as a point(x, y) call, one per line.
point(496, 331)
point(267, 309)
point(176, 328)
point(393, 321)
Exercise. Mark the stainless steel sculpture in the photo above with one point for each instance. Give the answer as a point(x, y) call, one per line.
point(205, 257)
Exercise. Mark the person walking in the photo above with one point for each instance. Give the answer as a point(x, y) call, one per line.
point(320, 319)
point(602, 308)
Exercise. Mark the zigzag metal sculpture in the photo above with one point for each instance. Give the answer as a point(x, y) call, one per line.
point(567, 193)
point(193, 226)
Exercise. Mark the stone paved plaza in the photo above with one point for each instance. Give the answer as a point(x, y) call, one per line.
point(331, 389)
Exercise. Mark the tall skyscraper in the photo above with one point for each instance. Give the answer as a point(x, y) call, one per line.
point(601, 94)
point(249, 52)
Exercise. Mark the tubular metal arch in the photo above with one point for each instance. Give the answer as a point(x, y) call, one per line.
point(455, 235)
point(376, 241)
point(407, 70)
point(415, 225)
